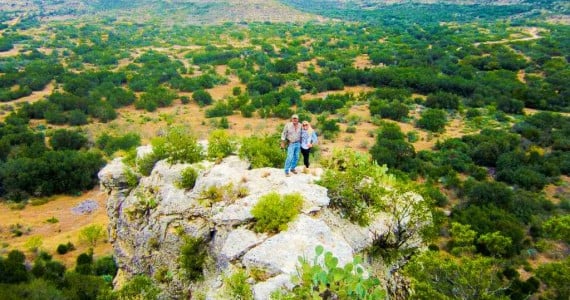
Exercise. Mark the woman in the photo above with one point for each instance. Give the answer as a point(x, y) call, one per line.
point(308, 139)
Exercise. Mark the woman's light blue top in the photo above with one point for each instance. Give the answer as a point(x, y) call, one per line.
point(307, 139)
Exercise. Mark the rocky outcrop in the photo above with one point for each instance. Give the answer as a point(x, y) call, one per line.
point(148, 223)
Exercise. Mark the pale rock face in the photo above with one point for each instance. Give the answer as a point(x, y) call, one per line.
point(279, 254)
point(148, 222)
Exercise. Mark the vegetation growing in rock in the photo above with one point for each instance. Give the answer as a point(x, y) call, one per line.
point(220, 145)
point(187, 179)
point(193, 255)
point(273, 211)
point(236, 286)
point(177, 146)
point(323, 277)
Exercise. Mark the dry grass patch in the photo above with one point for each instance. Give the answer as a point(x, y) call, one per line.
point(64, 225)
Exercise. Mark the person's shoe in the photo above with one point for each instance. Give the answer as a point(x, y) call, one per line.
point(293, 171)
point(287, 174)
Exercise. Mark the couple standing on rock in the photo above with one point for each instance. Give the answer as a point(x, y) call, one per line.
point(299, 138)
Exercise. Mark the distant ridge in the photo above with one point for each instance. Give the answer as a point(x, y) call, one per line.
point(181, 12)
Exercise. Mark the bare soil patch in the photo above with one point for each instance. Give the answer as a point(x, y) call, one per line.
point(362, 61)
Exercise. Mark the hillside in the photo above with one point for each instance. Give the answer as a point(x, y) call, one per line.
point(198, 12)
point(186, 12)
point(466, 104)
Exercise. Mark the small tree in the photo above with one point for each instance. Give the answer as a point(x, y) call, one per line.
point(202, 97)
point(178, 146)
point(433, 120)
point(220, 144)
point(91, 235)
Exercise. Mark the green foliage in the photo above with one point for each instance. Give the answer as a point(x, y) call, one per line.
point(62, 139)
point(193, 255)
point(52, 220)
point(64, 248)
point(34, 243)
point(236, 286)
point(202, 97)
point(436, 275)
point(145, 164)
point(12, 268)
point(188, 178)
point(111, 144)
point(50, 172)
point(84, 264)
point(272, 212)
point(177, 146)
point(155, 97)
point(558, 227)
point(80, 286)
point(228, 193)
point(105, 265)
point(433, 120)
point(323, 278)
point(220, 145)
point(463, 239)
point(262, 151)
point(392, 150)
point(489, 219)
point(355, 184)
point(443, 100)
point(220, 109)
point(410, 219)
point(434, 194)
point(495, 244)
point(139, 287)
point(91, 235)
point(36, 289)
point(555, 276)
point(390, 110)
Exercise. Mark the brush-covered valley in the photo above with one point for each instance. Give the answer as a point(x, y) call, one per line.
point(465, 104)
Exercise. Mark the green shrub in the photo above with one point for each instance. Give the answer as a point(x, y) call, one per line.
point(91, 234)
point(52, 220)
point(106, 266)
point(202, 97)
point(193, 255)
point(110, 144)
point(328, 278)
point(131, 177)
point(84, 264)
point(145, 165)
point(220, 144)
point(433, 120)
point(433, 193)
point(236, 286)
point(262, 151)
point(187, 179)
point(412, 136)
point(273, 211)
point(64, 248)
point(139, 287)
point(347, 171)
point(177, 146)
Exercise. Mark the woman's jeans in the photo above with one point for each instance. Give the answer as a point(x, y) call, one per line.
point(292, 156)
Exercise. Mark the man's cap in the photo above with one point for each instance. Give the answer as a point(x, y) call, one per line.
point(295, 116)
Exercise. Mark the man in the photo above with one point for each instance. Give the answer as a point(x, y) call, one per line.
point(292, 134)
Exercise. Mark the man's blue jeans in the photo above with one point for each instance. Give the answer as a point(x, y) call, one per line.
point(292, 156)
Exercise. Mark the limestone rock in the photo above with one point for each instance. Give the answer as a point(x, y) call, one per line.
point(148, 223)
